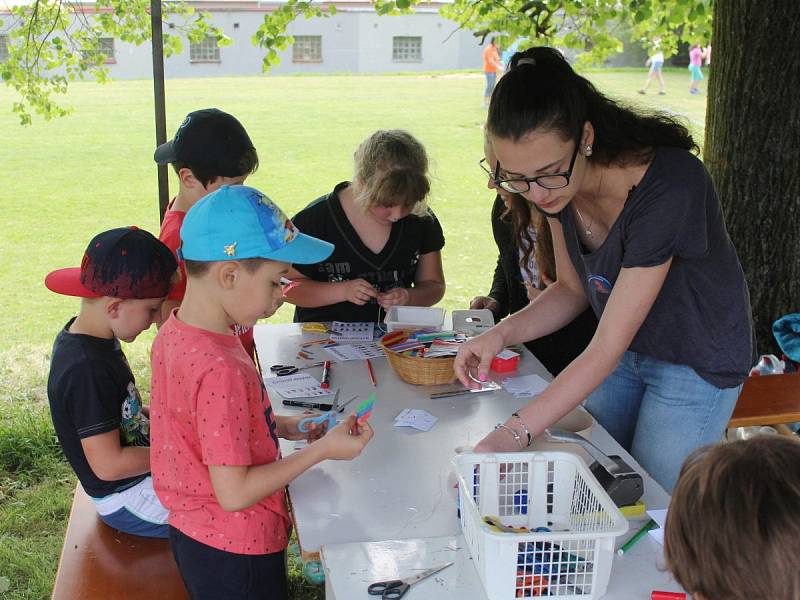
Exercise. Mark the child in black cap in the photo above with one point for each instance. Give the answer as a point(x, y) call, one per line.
point(210, 149)
point(97, 413)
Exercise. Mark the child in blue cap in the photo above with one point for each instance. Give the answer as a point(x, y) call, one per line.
point(97, 413)
point(217, 465)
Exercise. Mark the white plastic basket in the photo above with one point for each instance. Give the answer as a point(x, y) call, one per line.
point(414, 317)
point(553, 490)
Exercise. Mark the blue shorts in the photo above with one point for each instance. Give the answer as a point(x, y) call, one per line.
point(135, 510)
point(655, 67)
point(697, 73)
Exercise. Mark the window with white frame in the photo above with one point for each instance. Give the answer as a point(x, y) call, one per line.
point(107, 48)
point(3, 48)
point(307, 48)
point(205, 51)
point(407, 49)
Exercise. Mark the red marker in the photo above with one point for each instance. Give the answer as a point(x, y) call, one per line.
point(657, 595)
point(371, 373)
point(326, 375)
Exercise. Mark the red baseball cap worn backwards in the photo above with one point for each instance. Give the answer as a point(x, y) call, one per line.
point(127, 263)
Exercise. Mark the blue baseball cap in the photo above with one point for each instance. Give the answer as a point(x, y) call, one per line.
point(237, 222)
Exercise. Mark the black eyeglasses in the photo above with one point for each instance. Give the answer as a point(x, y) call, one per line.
point(494, 176)
point(520, 185)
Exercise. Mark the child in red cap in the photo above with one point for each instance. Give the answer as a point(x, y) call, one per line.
point(97, 413)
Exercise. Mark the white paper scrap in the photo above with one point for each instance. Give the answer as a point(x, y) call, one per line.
point(419, 419)
point(298, 385)
point(660, 517)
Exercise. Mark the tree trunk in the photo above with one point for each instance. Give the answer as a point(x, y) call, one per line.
point(752, 148)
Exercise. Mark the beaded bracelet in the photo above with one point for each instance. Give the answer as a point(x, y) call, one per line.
point(524, 428)
point(512, 432)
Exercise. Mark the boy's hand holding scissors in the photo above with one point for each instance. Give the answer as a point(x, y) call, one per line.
point(345, 441)
point(288, 428)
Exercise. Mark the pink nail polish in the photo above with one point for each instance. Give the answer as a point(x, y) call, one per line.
point(482, 377)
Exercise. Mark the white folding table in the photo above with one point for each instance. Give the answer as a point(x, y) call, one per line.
point(399, 493)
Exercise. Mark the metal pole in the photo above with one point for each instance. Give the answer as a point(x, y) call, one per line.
point(159, 97)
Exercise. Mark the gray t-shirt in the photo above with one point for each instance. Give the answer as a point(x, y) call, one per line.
point(701, 317)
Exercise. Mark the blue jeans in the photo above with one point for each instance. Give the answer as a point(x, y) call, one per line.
point(659, 412)
point(491, 79)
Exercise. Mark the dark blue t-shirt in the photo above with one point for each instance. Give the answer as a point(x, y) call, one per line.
point(701, 317)
point(395, 265)
point(92, 391)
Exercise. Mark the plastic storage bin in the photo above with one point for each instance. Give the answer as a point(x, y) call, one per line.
point(571, 558)
point(414, 317)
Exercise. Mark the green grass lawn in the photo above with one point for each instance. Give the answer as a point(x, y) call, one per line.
point(68, 179)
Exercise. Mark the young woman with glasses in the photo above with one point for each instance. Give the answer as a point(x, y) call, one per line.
point(388, 242)
point(640, 237)
point(525, 267)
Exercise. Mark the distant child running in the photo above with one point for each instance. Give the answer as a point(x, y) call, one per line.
point(97, 413)
point(388, 243)
point(656, 63)
point(696, 56)
point(216, 461)
point(733, 529)
point(210, 149)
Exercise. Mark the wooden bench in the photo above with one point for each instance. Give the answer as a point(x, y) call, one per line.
point(768, 400)
point(100, 562)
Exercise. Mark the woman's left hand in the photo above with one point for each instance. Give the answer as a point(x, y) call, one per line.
point(498, 440)
point(395, 296)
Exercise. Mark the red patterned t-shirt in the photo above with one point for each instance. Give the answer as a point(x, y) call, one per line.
point(209, 407)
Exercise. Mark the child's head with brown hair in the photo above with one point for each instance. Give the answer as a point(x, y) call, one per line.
point(392, 171)
point(733, 529)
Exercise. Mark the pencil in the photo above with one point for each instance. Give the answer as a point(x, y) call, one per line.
point(371, 373)
point(651, 524)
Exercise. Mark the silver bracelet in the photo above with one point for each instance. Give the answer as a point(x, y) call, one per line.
point(512, 432)
point(524, 428)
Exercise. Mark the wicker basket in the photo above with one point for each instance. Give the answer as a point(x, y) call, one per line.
point(419, 370)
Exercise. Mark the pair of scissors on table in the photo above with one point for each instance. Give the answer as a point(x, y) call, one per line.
point(397, 588)
point(318, 328)
point(283, 370)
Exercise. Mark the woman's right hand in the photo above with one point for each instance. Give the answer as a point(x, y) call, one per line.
point(475, 356)
point(343, 443)
point(479, 302)
point(358, 291)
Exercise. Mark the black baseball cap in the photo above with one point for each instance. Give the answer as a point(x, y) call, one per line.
point(126, 262)
point(208, 138)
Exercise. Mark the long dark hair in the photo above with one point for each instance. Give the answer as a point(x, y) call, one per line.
point(523, 219)
point(541, 91)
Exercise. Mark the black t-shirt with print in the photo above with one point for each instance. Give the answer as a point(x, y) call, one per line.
point(92, 391)
point(395, 265)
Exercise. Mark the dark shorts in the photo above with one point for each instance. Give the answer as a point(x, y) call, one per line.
point(212, 574)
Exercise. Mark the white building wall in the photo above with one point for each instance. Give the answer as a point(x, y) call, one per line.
point(353, 41)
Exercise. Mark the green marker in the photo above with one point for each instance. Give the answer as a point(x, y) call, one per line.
point(651, 524)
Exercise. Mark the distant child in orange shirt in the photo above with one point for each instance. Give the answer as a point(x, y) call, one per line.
point(216, 461)
point(733, 528)
point(491, 67)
